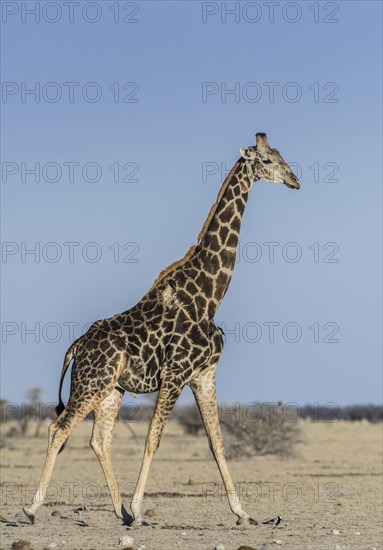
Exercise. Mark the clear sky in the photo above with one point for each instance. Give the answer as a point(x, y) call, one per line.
point(138, 110)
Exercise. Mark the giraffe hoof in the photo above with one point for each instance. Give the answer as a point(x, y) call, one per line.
point(30, 515)
point(125, 516)
point(247, 521)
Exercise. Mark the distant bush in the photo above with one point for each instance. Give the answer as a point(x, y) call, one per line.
point(372, 413)
point(260, 430)
point(190, 419)
point(248, 430)
point(133, 412)
point(29, 415)
point(331, 412)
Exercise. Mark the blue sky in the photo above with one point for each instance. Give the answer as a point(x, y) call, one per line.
point(152, 100)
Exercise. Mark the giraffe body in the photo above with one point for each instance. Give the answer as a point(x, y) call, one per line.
point(164, 342)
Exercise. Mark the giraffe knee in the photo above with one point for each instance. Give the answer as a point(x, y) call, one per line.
point(59, 431)
point(57, 439)
point(99, 445)
point(52, 430)
point(53, 426)
point(153, 439)
point(96, 445)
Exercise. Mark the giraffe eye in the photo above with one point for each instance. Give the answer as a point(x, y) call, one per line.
point(266, 161)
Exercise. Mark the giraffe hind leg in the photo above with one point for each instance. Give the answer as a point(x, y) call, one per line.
point(101, 442)
point(87, 392)
point(59, 431)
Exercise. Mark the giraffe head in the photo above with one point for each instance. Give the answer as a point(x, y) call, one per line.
point(267, 163)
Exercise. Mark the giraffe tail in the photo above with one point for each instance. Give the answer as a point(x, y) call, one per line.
point(68, 358)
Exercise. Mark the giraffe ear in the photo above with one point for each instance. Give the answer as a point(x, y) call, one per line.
point(248, 154)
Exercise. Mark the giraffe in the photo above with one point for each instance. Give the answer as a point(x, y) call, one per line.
point(166, 341)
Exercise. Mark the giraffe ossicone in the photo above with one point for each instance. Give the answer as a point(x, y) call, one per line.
point(166, 341)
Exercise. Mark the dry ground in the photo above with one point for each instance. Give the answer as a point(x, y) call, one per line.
point(334, 483)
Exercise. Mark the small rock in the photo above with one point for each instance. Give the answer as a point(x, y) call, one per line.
point(183, 533)
point(337, 547)
point(193, 482)
point(246, 548)
point(219, 546)
point(277, 541)
point(357, 533)
point(126, 542)
point(335, 532)
point(55, 513)
point(150, 513)
point(52, 545)
point(21, 545)
point(80, 510)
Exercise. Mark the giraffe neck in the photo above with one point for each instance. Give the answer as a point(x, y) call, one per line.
point(215, 255)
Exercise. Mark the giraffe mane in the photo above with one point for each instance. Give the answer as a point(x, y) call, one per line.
point(173, 265)
point(202, 233)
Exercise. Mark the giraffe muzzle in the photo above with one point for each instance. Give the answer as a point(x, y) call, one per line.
point(295, 185)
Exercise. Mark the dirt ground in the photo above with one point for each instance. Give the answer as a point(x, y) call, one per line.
point(334, 483)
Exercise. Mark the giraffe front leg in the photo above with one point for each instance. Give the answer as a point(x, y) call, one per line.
point(167, 397)
point(101, 442)
point(204, 390)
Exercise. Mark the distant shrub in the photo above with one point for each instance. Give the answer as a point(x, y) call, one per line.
point(190, 419)
point(136, 413)
point(372, 413)
point(29, 415)
point(261, 429)
point(248, 430)
point(331, 412)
